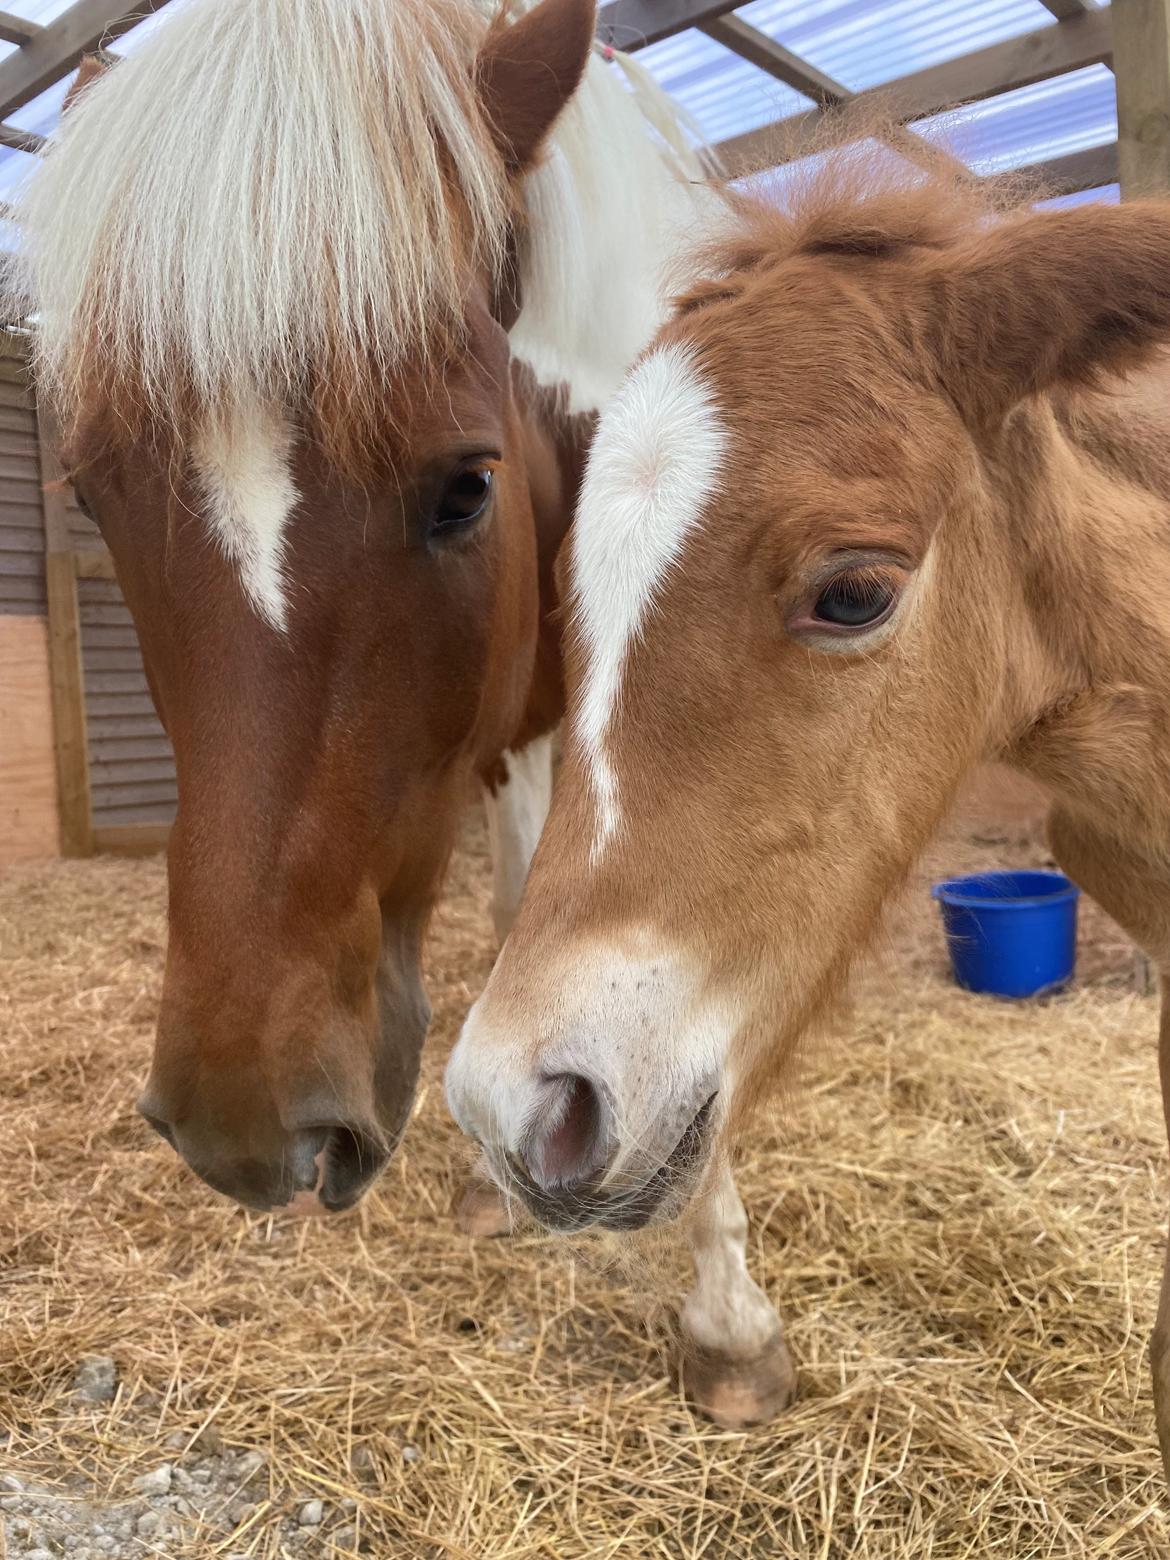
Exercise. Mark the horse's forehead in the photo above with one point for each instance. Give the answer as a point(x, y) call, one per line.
point(247, 462)
point(807, 346)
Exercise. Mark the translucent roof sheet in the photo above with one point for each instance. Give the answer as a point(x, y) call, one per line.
point(43, 112)
point(868, 43)
point(863, 43)
point(722, 92)
point(858, 43)
point(1032, 124)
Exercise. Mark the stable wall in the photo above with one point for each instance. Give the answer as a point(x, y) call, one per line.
point(84, 762)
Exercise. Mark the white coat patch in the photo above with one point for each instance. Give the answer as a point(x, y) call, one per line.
point(243, 468)
point(654, 464)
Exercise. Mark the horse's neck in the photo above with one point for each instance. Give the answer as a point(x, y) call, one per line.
point(1089, 530)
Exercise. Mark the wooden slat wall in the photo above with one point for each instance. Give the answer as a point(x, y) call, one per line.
point(131, 768)
point(22, 535)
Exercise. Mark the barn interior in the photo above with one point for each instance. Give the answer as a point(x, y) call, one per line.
point(958, 1206)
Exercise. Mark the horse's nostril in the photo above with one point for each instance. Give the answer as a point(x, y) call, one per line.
point(571, 1149)
point(348, 1161)
point(160, 1126)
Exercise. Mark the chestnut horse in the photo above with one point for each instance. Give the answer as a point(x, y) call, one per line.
point(887, 497)
point(329, 295)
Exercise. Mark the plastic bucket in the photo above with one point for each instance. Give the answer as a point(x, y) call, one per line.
point(1012, 934)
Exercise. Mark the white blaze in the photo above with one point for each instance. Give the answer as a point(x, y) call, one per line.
point(243, 467)
point(655, 462)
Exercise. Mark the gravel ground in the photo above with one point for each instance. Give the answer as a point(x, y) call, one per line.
point(202, 1490)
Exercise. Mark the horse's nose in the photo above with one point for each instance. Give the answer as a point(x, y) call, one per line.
point(346, 1157)
point(318, 1169)
point(569, 1146)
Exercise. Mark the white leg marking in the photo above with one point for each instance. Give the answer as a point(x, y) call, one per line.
point(655, 462)
point(515, 815)
point(243, 467)
point(726, 1313)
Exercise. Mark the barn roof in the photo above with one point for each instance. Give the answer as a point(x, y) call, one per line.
point(1032, 77)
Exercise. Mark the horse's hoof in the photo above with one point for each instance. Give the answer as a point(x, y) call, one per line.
point(483, 1210)
point(738, 1392)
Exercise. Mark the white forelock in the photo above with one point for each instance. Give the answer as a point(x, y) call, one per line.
point(257, 189)
point(256, 194)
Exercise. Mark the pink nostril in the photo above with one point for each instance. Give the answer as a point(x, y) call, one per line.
point(572, 1149)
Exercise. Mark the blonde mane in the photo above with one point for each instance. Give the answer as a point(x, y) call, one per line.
point(281, 198)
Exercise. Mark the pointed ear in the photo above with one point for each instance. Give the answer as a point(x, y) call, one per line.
point(92, 66)
point(1052, 298)
point(528, 71)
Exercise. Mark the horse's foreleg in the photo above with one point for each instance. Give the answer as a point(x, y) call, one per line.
point(516, 810)
point(736, 1366)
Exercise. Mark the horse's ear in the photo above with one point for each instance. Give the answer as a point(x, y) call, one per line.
point(1067, 297)
point(528, 71)
point(91, 68)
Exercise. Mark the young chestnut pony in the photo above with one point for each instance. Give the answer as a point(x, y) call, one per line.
point(888, 496)
point(329, 297)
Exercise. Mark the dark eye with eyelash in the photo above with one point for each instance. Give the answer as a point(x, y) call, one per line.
point(856, 598)
point(464, 501)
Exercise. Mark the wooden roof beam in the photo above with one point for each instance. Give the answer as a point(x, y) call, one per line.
point(21, 140)
point(1017, 62)
point(1065, 10)
point(17, 29)
point(632, 24)
point(766, 54)
point(57, 49)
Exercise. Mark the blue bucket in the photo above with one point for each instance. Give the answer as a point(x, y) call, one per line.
point(1012, 934)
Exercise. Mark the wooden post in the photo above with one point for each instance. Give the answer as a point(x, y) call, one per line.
point(65, 669)
point(1141, 64)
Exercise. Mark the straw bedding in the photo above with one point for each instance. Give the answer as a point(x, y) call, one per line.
point(959, 1210)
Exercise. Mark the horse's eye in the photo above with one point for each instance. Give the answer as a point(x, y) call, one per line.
point(859, 598)
point(464, 500)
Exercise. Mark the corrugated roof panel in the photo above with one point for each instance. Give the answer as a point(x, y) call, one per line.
point(723, 92)
point(863, 43)
point(1032, 124)
point(1108, 194)
point(860, 43)
point(43, 112)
